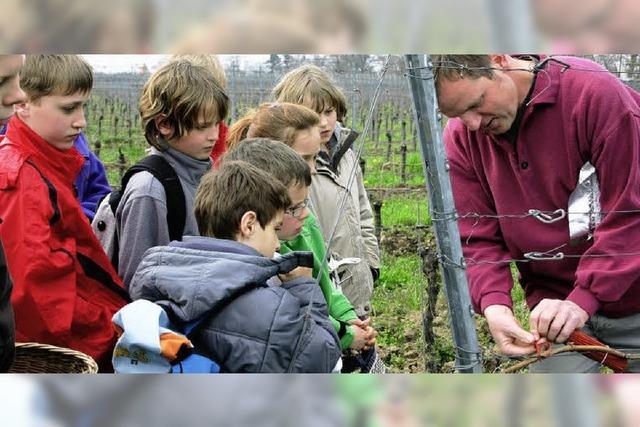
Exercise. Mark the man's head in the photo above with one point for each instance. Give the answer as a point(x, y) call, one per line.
point(310, 86)
point(181, 106)
point(10, 92)
point(285, 165)
point(57, 88)
point(243, 203)
point(479, 90)
point(295, 125)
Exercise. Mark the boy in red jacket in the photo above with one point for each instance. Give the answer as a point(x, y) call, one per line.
point(65, 290)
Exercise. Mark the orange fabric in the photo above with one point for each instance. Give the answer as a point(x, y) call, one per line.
point(170, 345)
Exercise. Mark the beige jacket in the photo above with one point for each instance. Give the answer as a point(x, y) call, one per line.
point(354, 235)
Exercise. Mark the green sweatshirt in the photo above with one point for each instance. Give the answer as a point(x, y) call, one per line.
point(340, 309)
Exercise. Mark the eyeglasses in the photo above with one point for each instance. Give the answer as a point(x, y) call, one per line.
point(297, 210)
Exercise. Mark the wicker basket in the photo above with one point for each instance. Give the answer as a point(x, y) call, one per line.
point(34, 358)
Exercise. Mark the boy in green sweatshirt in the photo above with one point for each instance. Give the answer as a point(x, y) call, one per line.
point(300, 231)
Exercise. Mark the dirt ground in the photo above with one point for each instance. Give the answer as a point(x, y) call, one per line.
point(405, 349)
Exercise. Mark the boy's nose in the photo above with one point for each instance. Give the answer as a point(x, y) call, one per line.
point(214, 134)
point(323, 121)
point(80, 121)
point(15, 94)
point(304, 215)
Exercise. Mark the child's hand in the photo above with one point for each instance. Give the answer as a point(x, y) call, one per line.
point(295, 273)
point(364, 324)
point(359, 338)
point(371, 333)
point(371, 337)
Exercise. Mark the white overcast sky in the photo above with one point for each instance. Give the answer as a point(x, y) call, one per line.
point(127, 63)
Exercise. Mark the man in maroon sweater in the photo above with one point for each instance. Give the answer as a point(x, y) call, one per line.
point(521, 131)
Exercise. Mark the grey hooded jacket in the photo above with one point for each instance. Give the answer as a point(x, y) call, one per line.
point(248, 326)
point(354, 236)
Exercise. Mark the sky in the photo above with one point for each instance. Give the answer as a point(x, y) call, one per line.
point(128, 63)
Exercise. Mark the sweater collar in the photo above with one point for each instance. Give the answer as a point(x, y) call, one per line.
point(547, 84)
point(187, 168)
point(66, 164)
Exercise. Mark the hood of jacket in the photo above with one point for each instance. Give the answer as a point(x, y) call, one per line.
point(201, 275)
point(341, 141)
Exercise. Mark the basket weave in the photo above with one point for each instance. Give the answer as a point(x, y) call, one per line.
point(35, 358)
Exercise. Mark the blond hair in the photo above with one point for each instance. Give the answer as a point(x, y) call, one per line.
point(184, 93)
point(311, 86)
point(44, 75)
point(210, 62)
point(276, 120)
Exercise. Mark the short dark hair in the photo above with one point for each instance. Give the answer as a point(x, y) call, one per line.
point(275, 158)
point(226, 194)
point(454, 67)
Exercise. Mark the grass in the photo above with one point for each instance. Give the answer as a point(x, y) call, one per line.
point(405, 210)
point(396, 301)
point(382, 173)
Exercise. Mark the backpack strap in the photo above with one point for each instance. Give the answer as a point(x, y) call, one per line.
point(162, 171)
point(342, 149)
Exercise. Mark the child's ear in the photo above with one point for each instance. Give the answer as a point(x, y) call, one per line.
point(248, 224)
point(163, 126)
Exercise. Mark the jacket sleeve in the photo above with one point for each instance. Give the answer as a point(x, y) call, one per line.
point(308, 292)
point(7, 323)
point(41, 262)
point(142, 223)
point(340, 312)
point(481, 239)
point(366, 222)
point(615, 153)
point(321, 345)
point(95, 186)
point(340, 309)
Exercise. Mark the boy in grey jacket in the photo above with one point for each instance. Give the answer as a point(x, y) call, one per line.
point(220, 279)
point(181, 107)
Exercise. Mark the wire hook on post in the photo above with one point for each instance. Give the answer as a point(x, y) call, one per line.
point(554, 216)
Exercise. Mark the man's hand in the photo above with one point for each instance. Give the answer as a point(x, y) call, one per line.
point(556, 319)
point(511, 339)
point(295, 273)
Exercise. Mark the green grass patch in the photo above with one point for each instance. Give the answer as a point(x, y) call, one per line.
point(405, 211)
point(396, 302)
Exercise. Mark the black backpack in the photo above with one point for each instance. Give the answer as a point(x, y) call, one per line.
point(104, 223)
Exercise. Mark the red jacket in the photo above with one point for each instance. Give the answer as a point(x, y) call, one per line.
point(65, 289)
point(221, 145)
